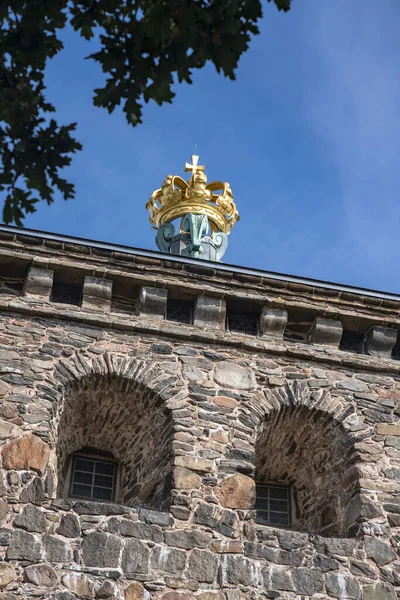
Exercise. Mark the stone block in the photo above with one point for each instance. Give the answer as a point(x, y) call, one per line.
point(168, 560)
point(210, 312)
point(154, 517)
point(106, 590)
point(69, 526)
point(97, 294)
point(101, 550)
point(390, 429)
point(380, 341)
point(194, 463)
point(341, 586)
point(38, 282)
point(307, 581)
point(178, 596)
point(203, 566)
point(240, 571)
point(7, 574)
point(185, 479)
point(33, 493)
point(3, 510)
point(79, 584)
point(8, 430)
point(273, 322)
point(135, 591)
point(42, 575)
point(135, 558)
point(237, 491)
point(136, 529)
point(31, 519)
point(24, 546)
point(153, 301)
point(233, 376)
point(188, 539)
point(280, 580)
point(56, 550)
point(379, 591)
point(380, 552)
point(326, 332)
point(28, 452)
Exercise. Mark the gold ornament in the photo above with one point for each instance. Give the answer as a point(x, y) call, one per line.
point(177, 197)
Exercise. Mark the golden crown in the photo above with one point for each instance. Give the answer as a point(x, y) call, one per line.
point(177, 197)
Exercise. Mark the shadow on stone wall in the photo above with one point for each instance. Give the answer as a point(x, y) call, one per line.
point(309, 451)
point(118, 405)
point(123, 418)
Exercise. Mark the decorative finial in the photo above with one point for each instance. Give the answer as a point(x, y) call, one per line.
point(207, 212)
point(194, 166)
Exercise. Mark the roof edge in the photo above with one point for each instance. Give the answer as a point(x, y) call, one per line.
point(316, 283)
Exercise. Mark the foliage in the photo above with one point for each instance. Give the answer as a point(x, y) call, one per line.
point(145, 46)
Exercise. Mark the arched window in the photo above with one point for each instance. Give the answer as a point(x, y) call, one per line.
point(305, 472)
point(114, 443)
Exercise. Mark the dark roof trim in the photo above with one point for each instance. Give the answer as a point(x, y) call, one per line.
point(195, 261)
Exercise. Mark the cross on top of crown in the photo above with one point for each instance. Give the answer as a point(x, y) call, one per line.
point(194, 167)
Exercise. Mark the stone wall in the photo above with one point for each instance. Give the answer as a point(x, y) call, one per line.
point(206, 420)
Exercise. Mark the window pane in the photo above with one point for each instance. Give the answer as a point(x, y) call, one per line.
point(262, 491)
point(105, 468)
point(275, 492)
point(272, 504)
point(262, 517)
point(278, 505)
point(92, 478)
point(81, 490)
point(279, 518)
point(102, 493)
point(103, 481)
point(80, 477)
point(82, 464)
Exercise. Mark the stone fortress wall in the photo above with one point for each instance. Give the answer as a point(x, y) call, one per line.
point(194, 415)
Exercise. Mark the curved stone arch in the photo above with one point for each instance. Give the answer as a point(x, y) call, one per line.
point(297, 393)
point(306, 439)
point(120, 405)
point(77, 369)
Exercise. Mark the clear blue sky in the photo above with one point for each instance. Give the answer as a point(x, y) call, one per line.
point(308, 137)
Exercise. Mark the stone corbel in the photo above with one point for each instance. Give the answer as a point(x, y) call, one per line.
point(380, 341)
point(273, 322)
point(39, 282)
point(326, 332)
point(97, 294)
point(210, 312)
point(153, 302)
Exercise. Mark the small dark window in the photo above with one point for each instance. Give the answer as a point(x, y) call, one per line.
point(93, 478)
point(272, 504)
point(241, 322)
point(67, 293)
point(180, 311)
point(352, 342)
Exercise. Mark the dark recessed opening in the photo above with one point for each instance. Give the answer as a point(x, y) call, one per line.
point(352, 341)
point(242, 322)
point(396, 349)
point(125, 296)
point(180, 311)
point(12, 276)
point(66, 293)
